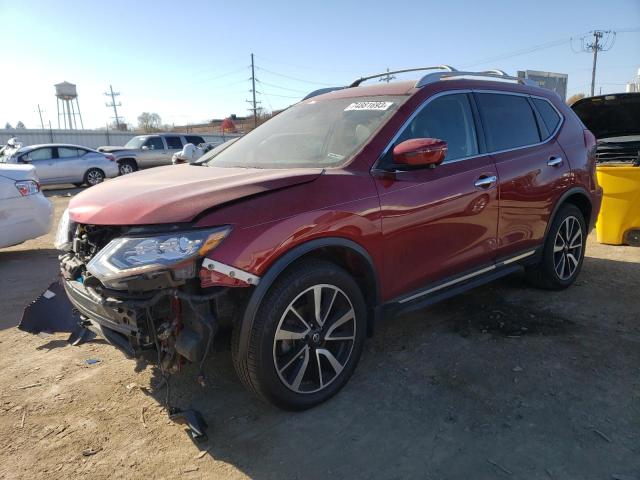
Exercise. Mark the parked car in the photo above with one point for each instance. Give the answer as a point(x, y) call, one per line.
point(192, 153)
point(145, 151)
point(353, 204)
point(615, 122)
point(24, 212)
point(62, 163)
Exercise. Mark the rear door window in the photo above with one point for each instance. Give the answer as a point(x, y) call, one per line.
point(549, 114)
point(154, 143)
point(69, 152)
point(447, 118)
point(508, 120)
point(41, 154)
point(174, 143)
point(195, 139)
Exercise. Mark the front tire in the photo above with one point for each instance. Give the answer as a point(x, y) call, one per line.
point(563, 251)
point(307, 337)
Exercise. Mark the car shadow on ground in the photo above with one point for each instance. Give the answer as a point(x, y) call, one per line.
point(21, 279)
point(61, 190)
point(504, 378)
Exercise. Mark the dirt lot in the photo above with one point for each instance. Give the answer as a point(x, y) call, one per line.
point(503, 382)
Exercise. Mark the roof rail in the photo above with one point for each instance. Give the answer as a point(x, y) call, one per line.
point(377, 75)
point(320, 91)
point(491, 74)
point(449, 73)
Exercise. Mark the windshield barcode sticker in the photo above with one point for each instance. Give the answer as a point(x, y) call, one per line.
point(368, 106)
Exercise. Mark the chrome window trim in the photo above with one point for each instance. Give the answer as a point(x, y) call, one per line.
point(526, 95)
point(473, 90)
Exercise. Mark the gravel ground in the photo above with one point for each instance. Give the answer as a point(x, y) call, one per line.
point(502, 382)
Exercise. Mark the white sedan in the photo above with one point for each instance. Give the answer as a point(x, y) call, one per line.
point(24, 211)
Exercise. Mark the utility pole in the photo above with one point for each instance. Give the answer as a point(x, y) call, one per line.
point(387, 78)
point(602, 41)
point(40, 113)
point(597, 35)
point(253, 91)
point(113, 104)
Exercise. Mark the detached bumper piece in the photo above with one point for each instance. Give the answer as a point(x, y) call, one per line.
point(51, 312)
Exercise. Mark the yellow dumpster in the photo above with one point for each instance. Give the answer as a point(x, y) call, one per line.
point(619, 219)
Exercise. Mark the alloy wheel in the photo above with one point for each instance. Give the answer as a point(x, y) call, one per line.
point(125, 168)
point(94, 177)
point(314, 339)
point(567, 248)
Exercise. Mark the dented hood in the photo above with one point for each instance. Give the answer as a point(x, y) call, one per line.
point(176, 193)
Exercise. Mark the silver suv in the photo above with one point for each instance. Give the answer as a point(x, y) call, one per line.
point(145, 151)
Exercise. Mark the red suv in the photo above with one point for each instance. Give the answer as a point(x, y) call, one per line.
point(353, 204)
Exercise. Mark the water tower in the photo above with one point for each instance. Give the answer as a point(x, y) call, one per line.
point(66, 94)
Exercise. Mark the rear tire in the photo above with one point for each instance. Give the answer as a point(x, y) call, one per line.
point(94, 176)
point(127, 166)
point(563, 251)
point(307, 337)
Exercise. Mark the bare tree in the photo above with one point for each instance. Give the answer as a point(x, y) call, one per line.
point(574, 98)
point(149, 122)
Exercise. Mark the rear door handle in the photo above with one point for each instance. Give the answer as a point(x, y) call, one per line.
point(485, 182)
point(554, 161)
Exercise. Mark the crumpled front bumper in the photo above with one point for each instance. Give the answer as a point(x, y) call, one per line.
point(119, 319)
point(121, 324)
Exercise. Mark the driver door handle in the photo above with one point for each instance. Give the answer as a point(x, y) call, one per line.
point(554, 161)
point(485, 182)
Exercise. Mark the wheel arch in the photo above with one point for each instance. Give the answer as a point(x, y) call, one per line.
point(127, 159)
point(576, 196)
point(343, 252)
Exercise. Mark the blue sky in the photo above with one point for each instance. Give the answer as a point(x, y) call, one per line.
point(188, 61)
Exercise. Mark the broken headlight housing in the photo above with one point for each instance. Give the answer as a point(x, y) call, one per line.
point(63, 234)
point(127, 257)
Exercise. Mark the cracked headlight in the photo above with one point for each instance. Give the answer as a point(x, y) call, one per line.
point(133, 256)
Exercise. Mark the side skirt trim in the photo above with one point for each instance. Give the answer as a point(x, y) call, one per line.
point(499, 266)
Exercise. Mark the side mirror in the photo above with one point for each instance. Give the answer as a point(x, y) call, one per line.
point(25, 159)
point(144, 147)
point(420, 152)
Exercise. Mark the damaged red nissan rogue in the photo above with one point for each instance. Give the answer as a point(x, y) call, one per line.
point(356, 202)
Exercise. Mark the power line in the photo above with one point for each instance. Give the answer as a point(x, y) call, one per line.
point(319, 69)
point(294, 78)
point(283, 88)
point(222, 75)
point(522, 51)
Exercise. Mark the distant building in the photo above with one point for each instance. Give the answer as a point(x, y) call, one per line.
point(549, 80)
point(634, 85)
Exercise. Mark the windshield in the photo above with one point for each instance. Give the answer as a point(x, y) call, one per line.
point(312, 133)
point(135, 142)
